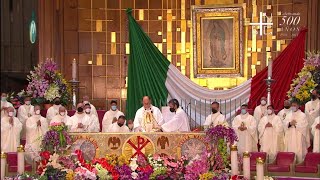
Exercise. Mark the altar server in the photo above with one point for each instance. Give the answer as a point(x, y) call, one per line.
point(110, 116)
point(119, 126)
point(130, 125)
point(79, 122)
point(216, 118)
point(5, 104)
point(315, 129)
point(53, 110)
point(10, 131)
point(312, 108)
point(246, 129)
point(260, 110)
point(286, 110)
point(24, 112)
point(93, 109)
point(270, 129)
point(94, 125)
point(146, 115)
point(179, 122)
point(36, 127)
point(296, 132)
point(61, 117)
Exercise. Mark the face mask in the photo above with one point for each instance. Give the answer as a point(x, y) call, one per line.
point(88, 111)
point(113, 108)
point(294, 109)
point(214, 111)
point(243, 111)
point(313, 97)
point(263, 102)
point(172, 109)
point(10, 114)
point(37, 112)
point(85, 102)
point(130, 126)
point(57, 103)
point(269, 111)
point(62, 113)
point(28, 102)
point(3, 99)
point(80, 109)
point(287, 107)
point(120, 124)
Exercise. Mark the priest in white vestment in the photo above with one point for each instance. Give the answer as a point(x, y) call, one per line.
point(179, 122)
point(130, 125)
point(312, 108)
point(86, 101)
point(286, 110)
point(94, 125)
point(246, 129)
point(148, 117)
point(79, 122)
point(5, 104)
point(110, 116)
point(36, 127)
point(53, 110)
point(216, 118)
point(119, 126)
point(270, 129)
point(315, 129)
point(24, 112)
point(10, 131)
point(297, 137)
point(61, 117)
point(260, 110)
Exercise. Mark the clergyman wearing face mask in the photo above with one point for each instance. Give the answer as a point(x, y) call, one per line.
point(216, 118)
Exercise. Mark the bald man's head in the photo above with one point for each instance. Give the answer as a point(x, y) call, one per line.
point(263, 101)
point(146, 101)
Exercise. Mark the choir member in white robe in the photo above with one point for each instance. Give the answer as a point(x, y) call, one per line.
point(94, 125)
point(297, 137)
point(179, 122)
point(260, 110)
point(5, 104)
point(61, 117)
point(246, 129)
point(24, 112)
point(130, 125)
point(270, 129)
point(315, 129)
point(286, 110)
point(10, 131)
point(86, 101)
point(119, 126)
point(36, 127)
point(110, 116)
point(312, 108)
point(79, 122)
point(148, 117)
point(216, 118)
point(53, 110)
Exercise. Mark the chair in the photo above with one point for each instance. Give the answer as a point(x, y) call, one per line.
point(12, 164)
point(253, 160)
point(309, 167)
point(282, 165)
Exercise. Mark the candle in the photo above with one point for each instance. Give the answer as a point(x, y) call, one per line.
point(74, 69)
point(3, 164)
point(234, 160)
point(270, 68)
point(246, 165)
point(260, 169)
point(20, 150)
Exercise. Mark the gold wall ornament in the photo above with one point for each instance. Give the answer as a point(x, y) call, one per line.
point(234, 148)
point(3, 155)
point(260, 160)
point(246, 154)
point(218, 42)
point(20, 148)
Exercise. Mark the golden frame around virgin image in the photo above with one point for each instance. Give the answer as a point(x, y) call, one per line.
point(217, 41)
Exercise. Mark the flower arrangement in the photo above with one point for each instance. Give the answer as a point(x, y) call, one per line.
point(307, 79)
point(46, 83)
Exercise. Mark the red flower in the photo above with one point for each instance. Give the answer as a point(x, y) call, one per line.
point(235, 177)
point(115, 175)
point(44, 162)
point(40, 170)
point(45, 155)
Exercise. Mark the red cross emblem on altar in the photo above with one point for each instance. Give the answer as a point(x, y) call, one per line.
point(138, 145)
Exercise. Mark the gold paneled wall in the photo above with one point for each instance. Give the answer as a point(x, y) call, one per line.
point(96, 33)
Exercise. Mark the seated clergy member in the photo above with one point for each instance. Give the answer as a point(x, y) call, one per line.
point(94, 125)
point(246, 129)
point(216, 117)
point(110, 115)
point(270, 129)
point(36, 127)
point(4, 104)
point(61, 117)
point(315, 129)
point(179, 122)
point(24, 112)
point(260, 110)
point(10, 131)
point(119, 126)
point(297, 137)
point(93, 109)
point(53, 110)
point(286, 110)
point(148, 116)
point(130, 125)
point(312, 108)
point(79, 122)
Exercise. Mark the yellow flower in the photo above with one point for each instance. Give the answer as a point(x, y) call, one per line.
point(70, 175)
point(122, 160)
point(206, 176)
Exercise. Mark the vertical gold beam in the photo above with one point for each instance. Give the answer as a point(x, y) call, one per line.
point(98, 25)
point(113, 43)
point(99, 59)
point(141, 14)
point(169, 32)
point(183, 9)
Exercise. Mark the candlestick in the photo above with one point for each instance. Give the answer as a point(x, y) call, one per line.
point(74, 69)
point(270, 68)
point(20, 150)
point(74, 86)
point(260, 169)
point(234, 160)
point(3, 164)
point(246, 165)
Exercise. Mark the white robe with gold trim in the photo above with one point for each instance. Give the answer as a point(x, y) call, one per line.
point(79, 118)
point(215, 119)
point(139, 120)
point(10, 135)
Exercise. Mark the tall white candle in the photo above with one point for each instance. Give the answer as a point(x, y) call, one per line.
point(270, 68)
point(74, 69)
point(3, 164)
point(234, 160)
point(20, 150)
point(246, 165)
point(260, 169)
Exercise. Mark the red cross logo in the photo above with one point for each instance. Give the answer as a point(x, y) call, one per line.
point(141, 143)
